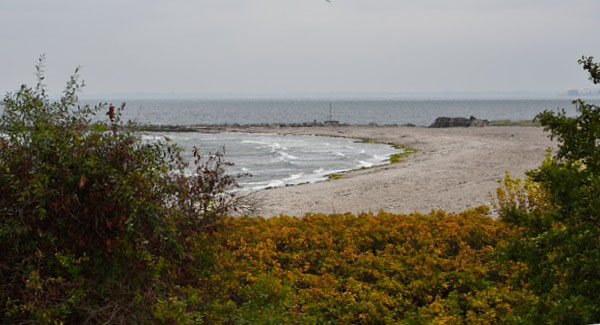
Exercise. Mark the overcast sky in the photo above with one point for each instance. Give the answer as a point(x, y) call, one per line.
point(259, 47)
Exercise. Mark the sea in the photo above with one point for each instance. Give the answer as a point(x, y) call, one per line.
point(417, 111)
point(274, 160)
point(270, 160)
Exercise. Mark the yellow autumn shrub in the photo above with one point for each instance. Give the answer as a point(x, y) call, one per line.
point(515, 194)
point(382, 268)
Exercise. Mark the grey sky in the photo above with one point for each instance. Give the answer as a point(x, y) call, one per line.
point(309, 46)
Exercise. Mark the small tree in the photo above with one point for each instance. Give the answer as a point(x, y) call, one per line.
point(96, 225)
point(561, 245)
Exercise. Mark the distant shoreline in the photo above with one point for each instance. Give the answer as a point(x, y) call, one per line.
point(314, 124)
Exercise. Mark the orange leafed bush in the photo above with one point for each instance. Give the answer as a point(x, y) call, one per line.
point(364, 268)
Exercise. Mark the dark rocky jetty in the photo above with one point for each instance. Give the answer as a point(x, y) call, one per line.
point(451, 122)
point(224, 126)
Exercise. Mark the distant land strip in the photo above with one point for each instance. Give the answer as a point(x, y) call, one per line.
point(216, 127)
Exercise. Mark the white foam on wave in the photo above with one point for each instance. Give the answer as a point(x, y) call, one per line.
point(264, 144)
point(362, 163)
point(318, 175)
point(294, 177)
point(255, 142)
point(275, 146)
point(286, 156)
point(275, 183)
point(147, 137)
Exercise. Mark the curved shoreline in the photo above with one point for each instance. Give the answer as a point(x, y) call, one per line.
point(454, 169)
point(339, 174)
point(387, 153)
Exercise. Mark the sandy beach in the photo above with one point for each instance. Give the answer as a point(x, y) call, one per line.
point(454, 169)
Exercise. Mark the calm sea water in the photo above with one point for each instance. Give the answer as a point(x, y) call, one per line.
point(421, 112)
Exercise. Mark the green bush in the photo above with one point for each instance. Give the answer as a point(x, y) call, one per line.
point(561, 244)
point(97, 225)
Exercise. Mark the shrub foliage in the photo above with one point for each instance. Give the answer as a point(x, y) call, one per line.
point(96, 225)
point(374, 269)
point(562, 244)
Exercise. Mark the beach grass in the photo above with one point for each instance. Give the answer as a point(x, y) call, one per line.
point(335, 177)
point(399, 157)
point(395, 158)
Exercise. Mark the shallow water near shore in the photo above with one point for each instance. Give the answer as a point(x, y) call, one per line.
point(277, 160)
